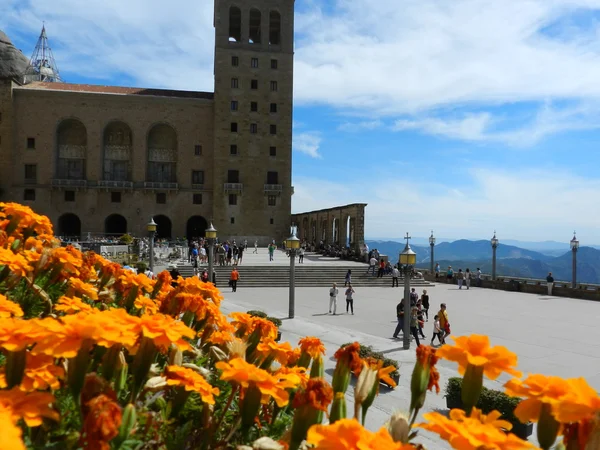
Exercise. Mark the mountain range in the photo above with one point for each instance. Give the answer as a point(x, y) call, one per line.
point(510, 260)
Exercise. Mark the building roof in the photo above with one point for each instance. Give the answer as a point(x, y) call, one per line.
point(13, 62)
point(116, 90)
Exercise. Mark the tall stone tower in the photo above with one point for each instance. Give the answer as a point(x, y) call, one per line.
point(254, 59)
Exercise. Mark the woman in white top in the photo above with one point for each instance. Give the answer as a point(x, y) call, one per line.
point(333, 293)
point(468, 278)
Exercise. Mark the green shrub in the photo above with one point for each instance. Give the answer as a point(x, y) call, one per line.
point(277, 322)
point(256, 313)
point(367, 351)
point(126, 239)
point(489, 400)
point(141, 267)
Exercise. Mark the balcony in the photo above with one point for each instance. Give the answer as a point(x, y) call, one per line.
point(197, 187)
point(273, 189)
point(161, 186)
point(115, 184)
point(233, 187)
point(61, 183)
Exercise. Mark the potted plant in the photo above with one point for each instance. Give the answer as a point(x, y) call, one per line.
point(490, 400)
point(366, 351)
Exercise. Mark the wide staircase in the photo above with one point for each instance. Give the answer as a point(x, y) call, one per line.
point(306, 276)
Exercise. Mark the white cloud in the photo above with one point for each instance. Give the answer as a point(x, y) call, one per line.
point(367, 125)
point(307, 143)
point(471, 127)
point(540, 204)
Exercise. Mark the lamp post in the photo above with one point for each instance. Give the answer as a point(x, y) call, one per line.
point(574, 248)
point(494, 242)
point(431, 244)
point(292, 244)
point(408, 258)
point(211, 235)
point(151, 227)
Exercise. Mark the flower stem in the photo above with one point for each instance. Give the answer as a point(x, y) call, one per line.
point(225, 409)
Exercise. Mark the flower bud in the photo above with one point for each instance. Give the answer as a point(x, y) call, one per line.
point(366, 380)
point(398, 427)
point(317, 369)
point(250, 405)
point(548, 427)
point(15, 367)
point(155, 383)
point(338, 408)
point(128, 423)
point(218, 354)
point(175, 356)
point(201, 370)
point(471, 387)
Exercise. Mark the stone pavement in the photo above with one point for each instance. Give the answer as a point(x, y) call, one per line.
point(551, 335)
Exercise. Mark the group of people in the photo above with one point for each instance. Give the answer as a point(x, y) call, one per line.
point(349, 293)
point(462, 278)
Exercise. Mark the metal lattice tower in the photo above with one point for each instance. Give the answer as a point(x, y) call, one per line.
point(42, 66)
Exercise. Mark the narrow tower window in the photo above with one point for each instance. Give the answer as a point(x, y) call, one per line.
point(235, 24)
point(254, 26)
point(274, 28)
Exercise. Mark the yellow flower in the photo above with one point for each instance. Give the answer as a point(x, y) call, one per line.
point(9, 309)
point(17, 334)
point(312, 346)
point(11, 436)
point(70, 305)
point(475, 350)
point(15, 262)
point(580, 402)
point(268, 347)
point(246, 375)
point(84, 289)
point(165, 330)
point(318, 394)
point(298, 375)
point(41, 373)
point(348, 434)
point(30, 407)
point(146, 304)
point(191, 380)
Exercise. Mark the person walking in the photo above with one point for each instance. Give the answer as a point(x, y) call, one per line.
point(333, 293)
point(437, 331)
point(348, 278)
point(425, 302)
point(449, 274)
point(478, 277)
point(240, 254)
point(400, 316)
point(420, 318)
point(255, 248)
point(444, 323)
point(437, 270)
point(233, 279)
point(349, 299)
point(372, 264)
point(271, 251)
point(414, 297)
point(395, 275)
point(301, 255)
point(460, 276)
point(550, 282)
point(468, 278)
point(381, 269)
point(414, 325)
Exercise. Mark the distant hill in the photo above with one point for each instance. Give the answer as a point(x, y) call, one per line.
point(511, 260)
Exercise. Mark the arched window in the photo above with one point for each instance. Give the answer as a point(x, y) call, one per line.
point(235, 24)
point(117, 152)
point(254, 33)
point(69, 226)
point(71, 137)
point(162, 154)
point(274, 28)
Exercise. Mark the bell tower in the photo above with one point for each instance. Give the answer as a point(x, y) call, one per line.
point(254, 63)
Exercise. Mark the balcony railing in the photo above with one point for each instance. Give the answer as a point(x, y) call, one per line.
point(197, 187)
point(233, 187)
point(115, 184)
point(273, 188)
point(160, 185)
point(57, 182)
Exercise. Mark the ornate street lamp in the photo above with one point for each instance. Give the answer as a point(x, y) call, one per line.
point(211, 235)
point(574, 248)
point(408, 258)
point(151, 227)
point(292, 244)
point(431, 244)
point(494, 242)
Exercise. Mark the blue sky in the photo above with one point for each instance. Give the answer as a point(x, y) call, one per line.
point(463, 116)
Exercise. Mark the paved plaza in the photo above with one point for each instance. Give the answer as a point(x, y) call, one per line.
point(551, 335)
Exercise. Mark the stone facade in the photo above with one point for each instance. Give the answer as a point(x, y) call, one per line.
point(342, 225)
point(104, 159)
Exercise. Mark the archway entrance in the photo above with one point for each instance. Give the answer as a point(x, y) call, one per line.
point(196, 227)
point(69, 226)
point(116, 225)
point(163, 227)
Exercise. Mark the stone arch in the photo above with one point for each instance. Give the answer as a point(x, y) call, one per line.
point(324, 230)
point(71, 154)
point(254, 26)
point(235, 24)
point(274, 28)
point(196, 227)
point(163, 227)
point(115, 225)
point(117, 151)
point(69, 225)
point(162, 154)
point(335, 230)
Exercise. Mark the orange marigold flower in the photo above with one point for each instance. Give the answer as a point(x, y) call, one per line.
point(265, 328)
point(383, 373)
point(146, 304)
point(15, 262)
point(71, 305)
point(268, 347)
point(17, 334)
point(41, 373)
point(580, 402)
point(476, 350)
point(191, 380)
point(239, 371)
point(70, 262)
point(312, 346)
point(538, 389)
point(297, 375)
point(31, 407)
point(83, 288)
point(350, 356)
point(434, 380)
point(348, 434)
point(318, 394)
point(9, 309)
point(128, 279)
point(474, 433)
point(11, 436)
point(293, 357)
point(165, 330)
point(101, 423)
point(26, 218)
point(206, 291)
